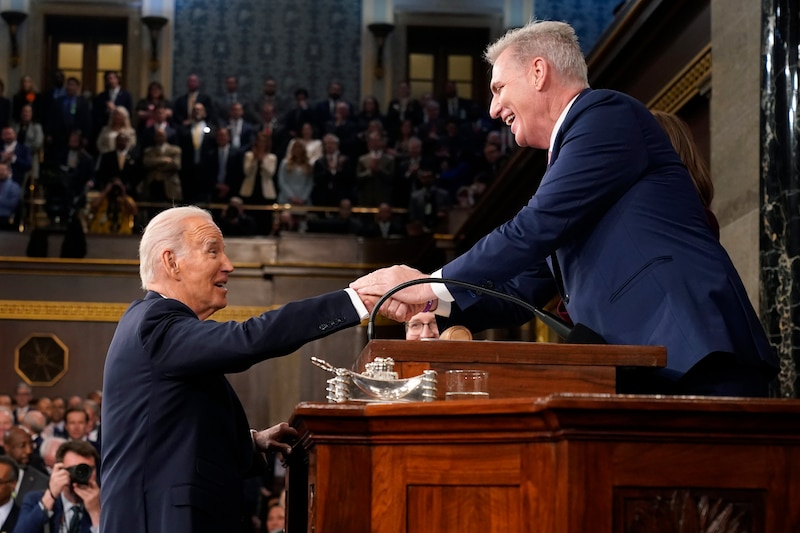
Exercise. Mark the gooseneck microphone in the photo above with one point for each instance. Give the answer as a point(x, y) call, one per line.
point(561, 328)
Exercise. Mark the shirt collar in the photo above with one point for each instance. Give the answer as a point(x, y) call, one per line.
point(560, 121)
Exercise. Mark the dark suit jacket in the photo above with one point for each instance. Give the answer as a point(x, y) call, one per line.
point(11, 520)
point(180, 111)
point(100, 114)
point(619, 221)
point(108, 169)
point(63, 118)
point(32, 481)
point(22, 163)
point(32, 519)
point(176, 444)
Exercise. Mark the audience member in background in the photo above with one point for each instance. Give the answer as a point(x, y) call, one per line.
point(258, 185)
point(243, 133)
point(162, 165)
point(15, 154)
point(427, 210)
point(343, 222)
point(276, 518)
point(385, 224)
point(10, 197)
point(30, 133)
point(69, 113)
point(333, 175)
point(195, 138)
point(232, 96)
point(6, 423)
point(401, 108)
point(45, 406)
point(56, 426)
point(235, 221)
point(27, 95)
point(93, 431)
point(184, 107)
point(48, 451)
point(106, 103)
point(681, 138)
point(295, 178)
point(34, 422)
point(343, 126)
point(146, 109)
point(160, 122)
point(9, 508)
point(407, 178)
point(119, 163)
point(299, 114)
point(224, 165)
point(422, 326)
point(19, 446)
point(5, 400)
point(326, 110)
point(370, 110)
point(453, 106)
point(375, 173)
point(119, 122)
point(75, 422)
point(312, 143)
point(113, 210)
point(269, 95)
point(75, 402)
point(65, 499)
point(22, 401)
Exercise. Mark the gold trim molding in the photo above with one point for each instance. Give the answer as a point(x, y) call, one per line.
point(99, 311)
point(690, 81)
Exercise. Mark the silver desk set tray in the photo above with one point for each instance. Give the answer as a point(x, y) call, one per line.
point(379, 383)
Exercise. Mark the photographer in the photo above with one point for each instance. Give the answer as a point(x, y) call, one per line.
point(71, 502)
point(113, 210)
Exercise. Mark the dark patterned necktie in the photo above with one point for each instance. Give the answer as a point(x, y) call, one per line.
point(75, 521)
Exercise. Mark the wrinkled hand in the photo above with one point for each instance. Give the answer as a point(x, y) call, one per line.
point(381, 281)
point(275, 439)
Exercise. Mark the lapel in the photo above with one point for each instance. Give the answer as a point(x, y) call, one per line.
point(560, 135)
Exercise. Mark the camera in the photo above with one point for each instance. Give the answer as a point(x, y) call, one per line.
point(80, 474)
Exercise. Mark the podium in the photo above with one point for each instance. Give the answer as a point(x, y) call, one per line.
point(518, 369)
point(565, 463)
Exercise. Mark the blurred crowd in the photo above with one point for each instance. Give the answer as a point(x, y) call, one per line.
point(120, 157)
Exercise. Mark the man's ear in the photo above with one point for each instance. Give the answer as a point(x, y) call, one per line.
point(538, 73)
point(169, 260)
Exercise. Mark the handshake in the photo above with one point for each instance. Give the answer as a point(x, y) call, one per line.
point(402, 305)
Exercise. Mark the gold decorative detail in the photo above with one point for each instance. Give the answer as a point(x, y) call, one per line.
point(41, 359)
point(689, 82)
point(100, 312)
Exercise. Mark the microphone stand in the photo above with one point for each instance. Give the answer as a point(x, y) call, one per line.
point(561, 328)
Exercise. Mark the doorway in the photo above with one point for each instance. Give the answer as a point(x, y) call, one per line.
point(85, 47)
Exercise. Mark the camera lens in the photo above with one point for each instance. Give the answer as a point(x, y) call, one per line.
point(80, 474)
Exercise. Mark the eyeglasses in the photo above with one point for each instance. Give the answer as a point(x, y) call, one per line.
point(417, 327)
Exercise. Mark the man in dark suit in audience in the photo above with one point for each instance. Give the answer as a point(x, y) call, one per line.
point(9, 509)
point(69, 502)
point(242, 132)
point(196, 138)
point(177, 445)
point(19, 446)
point(105, 102)
point(183, 107)
point(223, 166)
point(119, 163)
point(70, 112)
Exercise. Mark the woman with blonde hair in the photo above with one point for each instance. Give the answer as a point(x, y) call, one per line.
point(258, 186)
point(295, 177)
point(118, 122)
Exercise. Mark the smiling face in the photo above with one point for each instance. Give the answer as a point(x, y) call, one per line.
point(518, 102)
point(200, 275)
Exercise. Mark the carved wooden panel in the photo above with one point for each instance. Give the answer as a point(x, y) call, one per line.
point(676, 510)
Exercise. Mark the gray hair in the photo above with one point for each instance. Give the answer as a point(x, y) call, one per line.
point(554, 41)
point(165, 232)
point(50, 445)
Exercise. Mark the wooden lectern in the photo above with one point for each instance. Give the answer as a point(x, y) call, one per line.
point(518, 369)
point(568, 463)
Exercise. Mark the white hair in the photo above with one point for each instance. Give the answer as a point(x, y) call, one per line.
point(165, 232)
point(554, 41)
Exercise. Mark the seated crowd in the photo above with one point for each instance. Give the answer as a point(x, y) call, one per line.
point(42, 443)
point(120, 160)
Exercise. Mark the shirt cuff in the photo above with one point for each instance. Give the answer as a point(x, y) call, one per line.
point(359, 306)
point(443, 309)
point(440, 290)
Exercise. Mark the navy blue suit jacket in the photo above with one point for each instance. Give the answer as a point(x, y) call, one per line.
point(176, 442)
point(622, 228)
point(32, 518)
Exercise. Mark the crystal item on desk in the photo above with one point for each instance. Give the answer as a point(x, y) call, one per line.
point(379, 383)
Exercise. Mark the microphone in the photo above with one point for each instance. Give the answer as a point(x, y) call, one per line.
point(584, 334)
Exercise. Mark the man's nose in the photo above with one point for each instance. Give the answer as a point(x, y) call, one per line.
point(494, 108)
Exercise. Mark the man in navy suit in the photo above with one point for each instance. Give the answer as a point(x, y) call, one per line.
point(66, 499)
point(16, 155)
point(617, 219)
point(176, 442)
point(105, 102)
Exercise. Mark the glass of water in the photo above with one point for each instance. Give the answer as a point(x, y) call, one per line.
point(467, 384)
